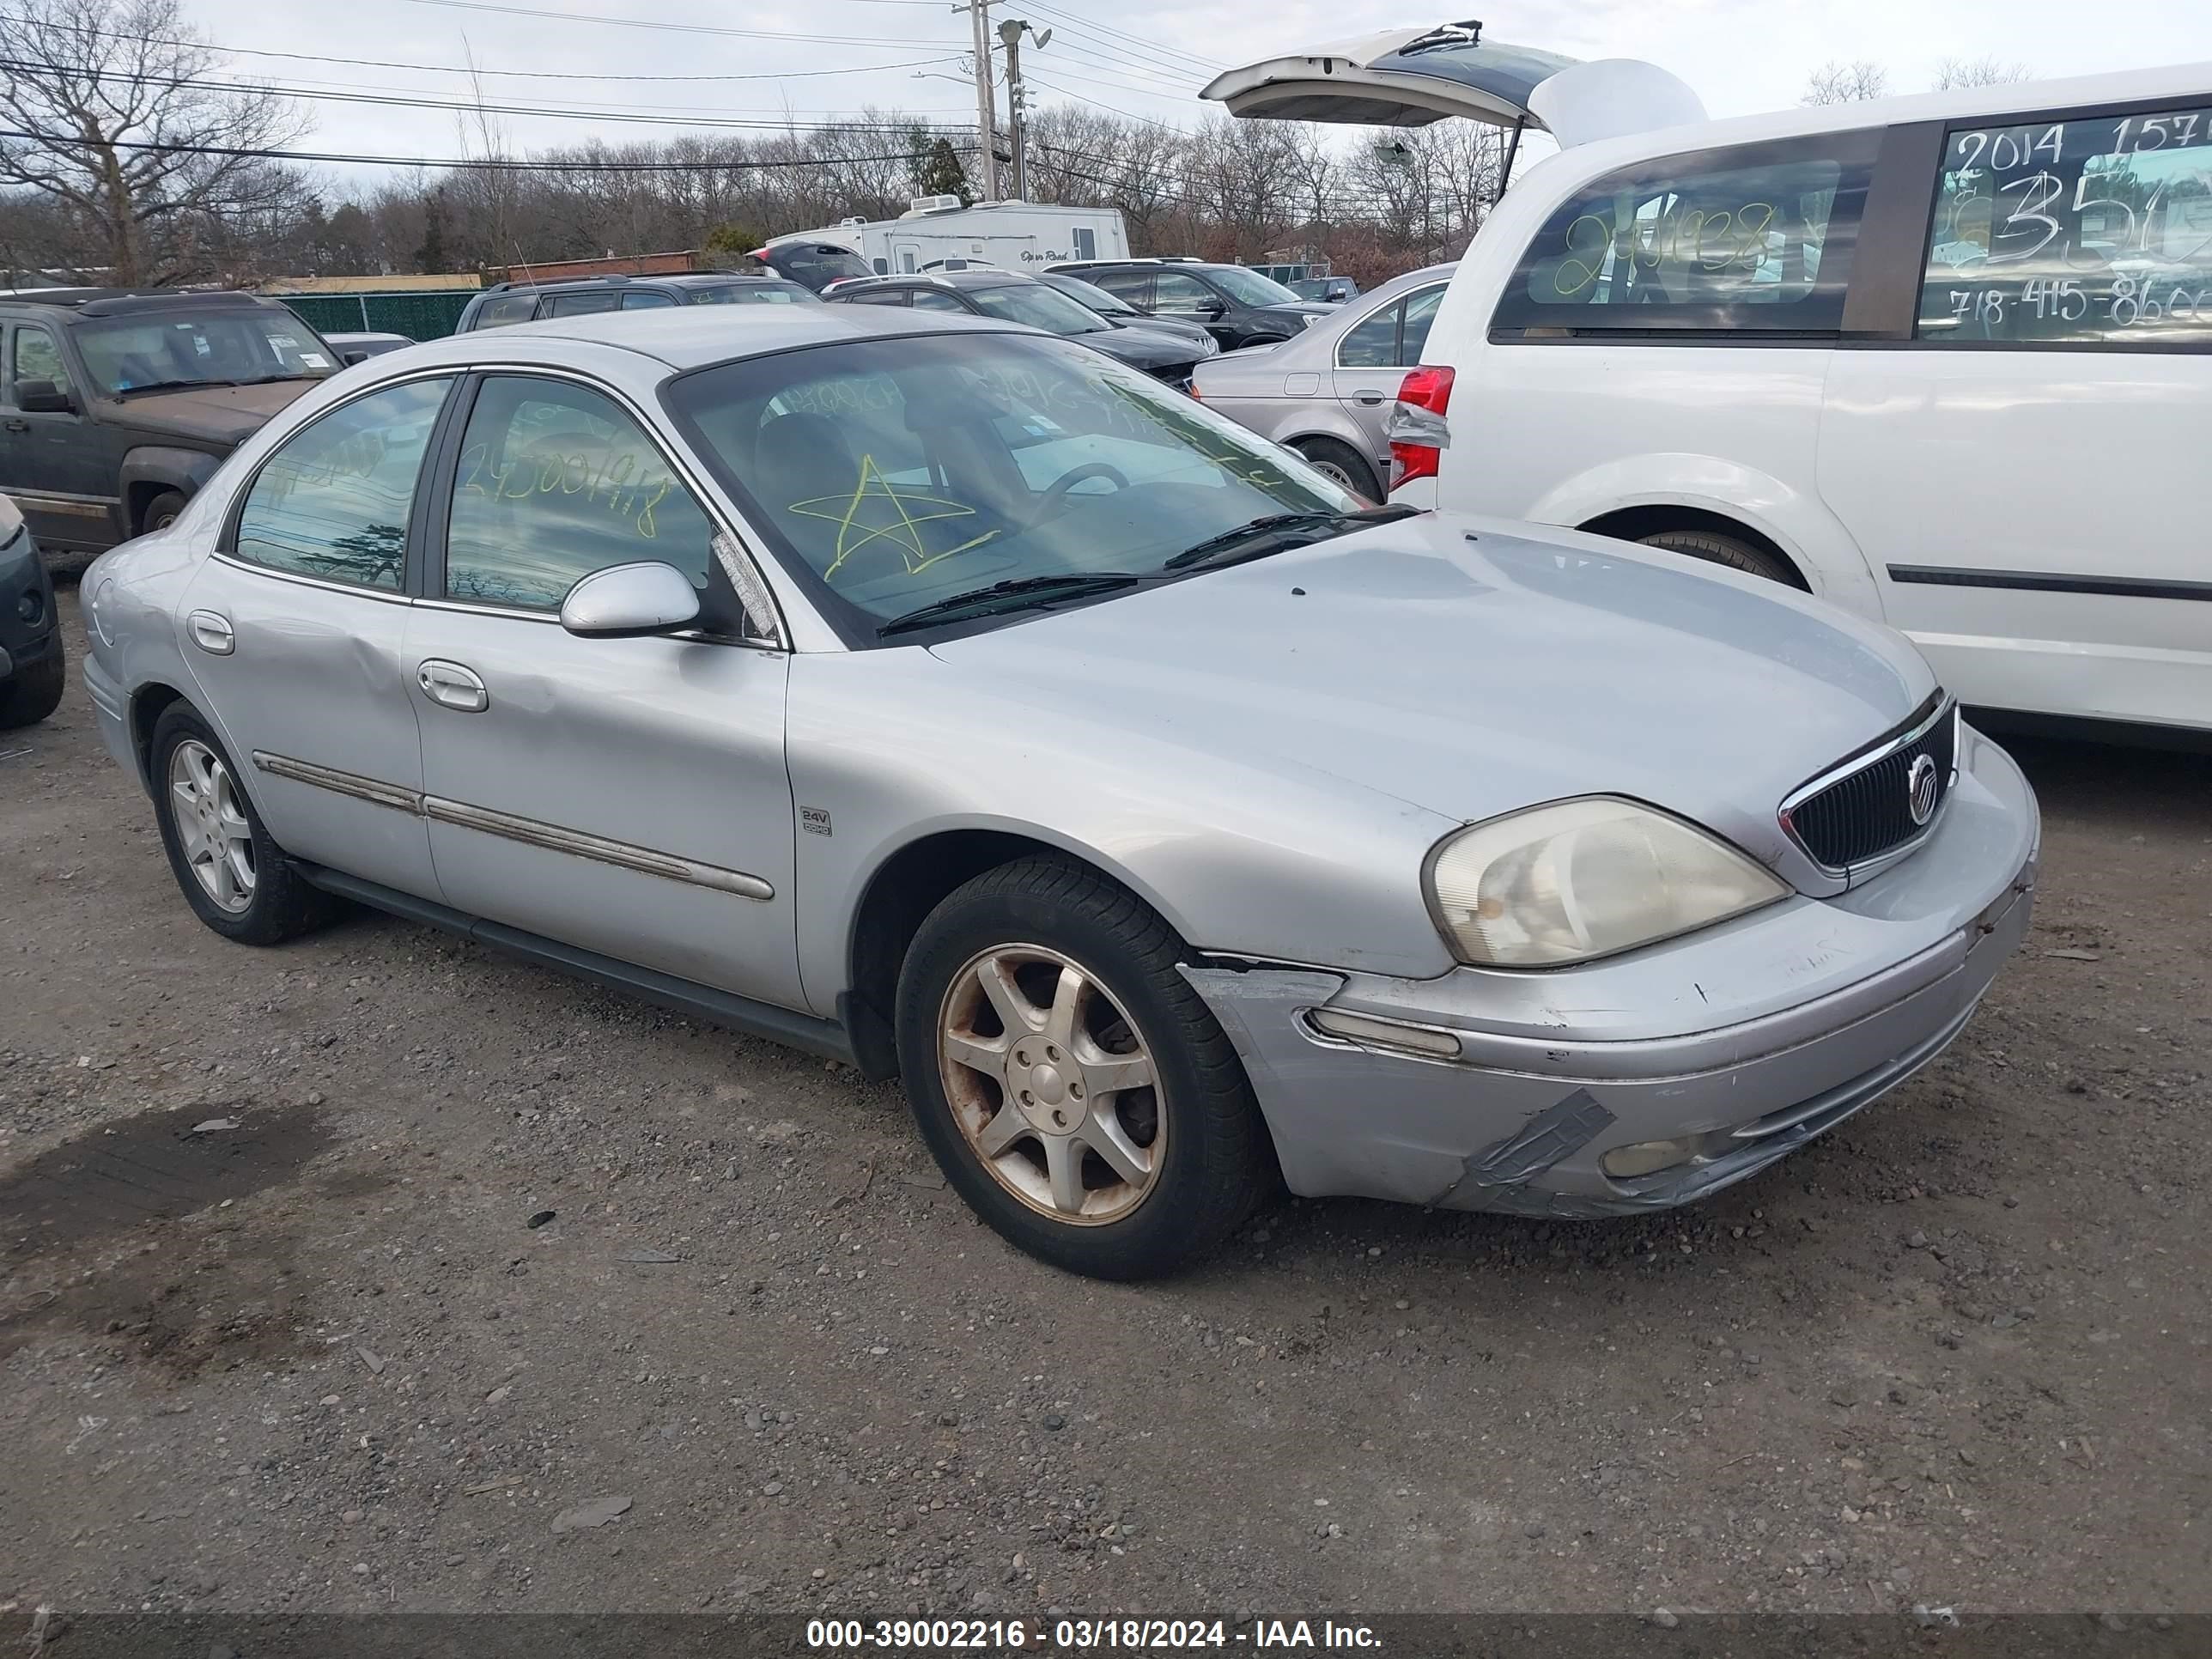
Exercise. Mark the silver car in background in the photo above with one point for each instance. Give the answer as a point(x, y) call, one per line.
point(947, 698)
point(1327, 393)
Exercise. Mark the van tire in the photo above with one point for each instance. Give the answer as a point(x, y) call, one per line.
point(1730, 551)
point(1341, 463)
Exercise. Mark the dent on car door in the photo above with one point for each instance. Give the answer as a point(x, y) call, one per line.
point(624, 796)
point(295, 629)
point(53, 462)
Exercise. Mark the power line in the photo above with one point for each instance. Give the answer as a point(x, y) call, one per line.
point(1106, 32)
point(682, 28)
point(483, 164)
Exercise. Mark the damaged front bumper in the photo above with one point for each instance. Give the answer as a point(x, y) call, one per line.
point(1743, 1042)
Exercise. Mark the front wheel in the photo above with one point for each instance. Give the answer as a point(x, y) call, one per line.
point(1075, 1089)
point(161, 512)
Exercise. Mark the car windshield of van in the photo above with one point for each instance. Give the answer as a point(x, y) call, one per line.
point(752, 291)
point(170, 349)
point(898, 474)
point(1039, 306)
point(1250, 288)
point(1097, 298)
point(817, 264)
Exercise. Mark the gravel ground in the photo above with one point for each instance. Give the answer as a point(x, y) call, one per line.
point(752, 1354)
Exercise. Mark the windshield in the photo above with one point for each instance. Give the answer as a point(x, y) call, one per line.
point(815, 264)
point(900, 471)
point(1037, 306)
point(230, 347)
point(1089, 294)
point(1250, 288)
point(751, 292)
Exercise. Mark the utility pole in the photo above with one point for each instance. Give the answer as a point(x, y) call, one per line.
point(987, 107)
point(1018, 103)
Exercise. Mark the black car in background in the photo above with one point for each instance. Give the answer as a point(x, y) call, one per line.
point(31, 673)
point(115, 407)
point(1238, 307)
point(1015, 298)
point(577, 296)
point(1119, 312)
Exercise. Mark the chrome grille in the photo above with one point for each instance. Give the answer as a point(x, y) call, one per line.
point(1863, 810)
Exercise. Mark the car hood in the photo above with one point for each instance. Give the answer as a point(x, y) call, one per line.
point(1474, 667)
point(1297, 313)
point(1142, 347)
point(215, 414)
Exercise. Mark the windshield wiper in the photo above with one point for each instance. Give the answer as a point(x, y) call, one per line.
point(1012, 595)
point(1280, 530)
point(171, 386)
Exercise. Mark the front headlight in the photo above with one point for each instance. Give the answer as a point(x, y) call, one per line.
point(1584, 879)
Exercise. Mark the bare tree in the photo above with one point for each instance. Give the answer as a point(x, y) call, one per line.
point(1846, 83)
point(1987, 70)
point(122, 120)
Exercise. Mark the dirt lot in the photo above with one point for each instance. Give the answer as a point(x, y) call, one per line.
point(1955, 1353)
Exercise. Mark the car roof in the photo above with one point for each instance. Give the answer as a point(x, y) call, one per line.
point(990, 277)
point(617, 280)
point(125, 302)
point(693, 336)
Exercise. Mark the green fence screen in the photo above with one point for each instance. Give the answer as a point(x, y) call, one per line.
point(426, 316)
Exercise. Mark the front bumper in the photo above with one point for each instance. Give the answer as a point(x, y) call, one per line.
point(29, 627)
point(1553, 1071)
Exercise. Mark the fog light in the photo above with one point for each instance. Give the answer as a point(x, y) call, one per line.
point(1422, 1040)
point(1644, 1157)
point(31, 606)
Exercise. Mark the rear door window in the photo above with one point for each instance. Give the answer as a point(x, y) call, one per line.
point(646, 299)
point(579, 305)
point(1755, 238)
point(2094, 230)
point(1372, 343)
point(1134, 286)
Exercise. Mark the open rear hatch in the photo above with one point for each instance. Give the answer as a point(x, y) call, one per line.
point(1409, 77)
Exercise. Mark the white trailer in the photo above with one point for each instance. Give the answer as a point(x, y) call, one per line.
point(937, 230)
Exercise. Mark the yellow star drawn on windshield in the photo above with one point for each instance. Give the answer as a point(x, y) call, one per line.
point(875, 497)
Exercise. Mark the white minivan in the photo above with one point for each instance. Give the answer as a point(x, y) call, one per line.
point(1946, 361)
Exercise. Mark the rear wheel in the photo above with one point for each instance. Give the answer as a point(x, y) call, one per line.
point(1733, 552)
point(161, 512)
point(1342, 464)
point(36, 691)
point(237, 880)
point(1074, 1089)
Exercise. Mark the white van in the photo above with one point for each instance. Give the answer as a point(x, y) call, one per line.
point(1946, 361)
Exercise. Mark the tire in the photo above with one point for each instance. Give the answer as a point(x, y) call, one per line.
point(272, 904)
point(161, 512)
point(1208, 1158)
point(1731, 551)
point(36, 691)
point(1343, 464)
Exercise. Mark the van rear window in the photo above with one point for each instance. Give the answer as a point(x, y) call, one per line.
point(2095, 231)
point(1754, 238)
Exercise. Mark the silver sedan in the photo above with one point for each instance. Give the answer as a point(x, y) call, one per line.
point(950, 699)
point(1328, 391)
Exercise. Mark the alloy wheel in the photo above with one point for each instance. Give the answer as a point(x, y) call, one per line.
point(1051, 1083)
point(211, 824)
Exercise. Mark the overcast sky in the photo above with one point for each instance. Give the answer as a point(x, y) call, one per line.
point(1141, 59)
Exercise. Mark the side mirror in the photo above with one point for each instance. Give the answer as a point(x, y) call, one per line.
point(626, 600)
point(1212, 311)
point(349, 358)
point(43, 397)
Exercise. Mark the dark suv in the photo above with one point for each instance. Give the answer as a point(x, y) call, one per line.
point(577, 296)
point(1239, 307)
point(115, 407)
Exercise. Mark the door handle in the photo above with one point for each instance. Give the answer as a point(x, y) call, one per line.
point(210, 631)
point(452, 686)
point(1369, 397)
point(19, 425)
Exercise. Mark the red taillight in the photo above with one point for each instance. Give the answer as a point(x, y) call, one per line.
point(1417, 431)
